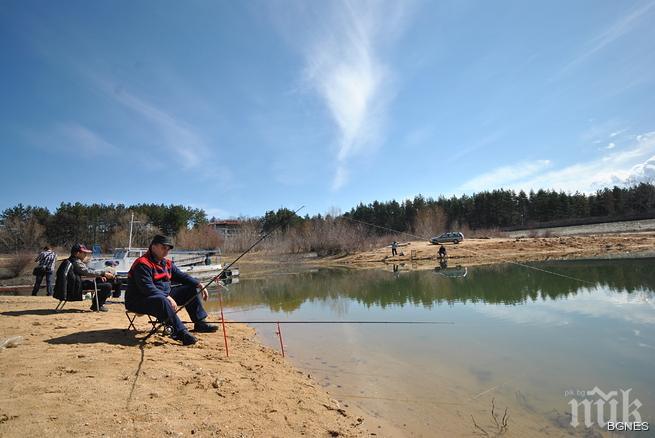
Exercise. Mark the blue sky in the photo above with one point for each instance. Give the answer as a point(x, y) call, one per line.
point(243, 107)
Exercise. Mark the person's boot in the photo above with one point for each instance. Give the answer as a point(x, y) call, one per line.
point(203, 327)
point(102, 308)
point(185, 337)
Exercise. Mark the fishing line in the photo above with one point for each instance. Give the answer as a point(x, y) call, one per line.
point(395, 399)
point(354, 373)
point(475, 397)
point(477, 253)
point(263, 306)
point(248, 250)
point(261, 321)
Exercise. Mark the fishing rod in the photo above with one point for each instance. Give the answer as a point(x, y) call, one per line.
point(180, 307)
point(251, 247)
point(335, 322)
point(475, 252)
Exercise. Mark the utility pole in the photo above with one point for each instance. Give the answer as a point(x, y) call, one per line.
point(129, 244)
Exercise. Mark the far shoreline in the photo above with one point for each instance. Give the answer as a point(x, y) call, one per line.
point(422, 255)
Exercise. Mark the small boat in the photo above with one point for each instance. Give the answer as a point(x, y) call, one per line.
point(198, 264)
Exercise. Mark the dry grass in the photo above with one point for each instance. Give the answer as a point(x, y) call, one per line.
point(481, 233)
point(326, 237)
point(533, 234)
point(16, 264)
point(202, 237)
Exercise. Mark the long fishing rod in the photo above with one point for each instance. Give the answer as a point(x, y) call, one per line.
point(475, 252)
point(180, 307)
point(251, 247)
point(337, 322)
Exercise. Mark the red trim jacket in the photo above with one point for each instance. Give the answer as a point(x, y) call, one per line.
point(149, 277)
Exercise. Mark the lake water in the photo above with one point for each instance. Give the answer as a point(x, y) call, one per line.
point(524, 338)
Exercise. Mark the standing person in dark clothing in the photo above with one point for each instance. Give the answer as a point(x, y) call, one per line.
point(442, 252)
point(394, 248)
point(149, 291)
point(46, 267)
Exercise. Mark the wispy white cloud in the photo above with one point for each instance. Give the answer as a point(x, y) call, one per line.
point(505, 175)
point(72, 138)
point(183, 146)
point(619, 132)
point(344, 66)
point(612, 145)
point(176, 136)
point(632, 164)
point(621, 26)
point(178, 141)
point(601, 132)
point(419, 136)
point(485, 141)
point(643, 172)
point(75, 137)
point(212, 211)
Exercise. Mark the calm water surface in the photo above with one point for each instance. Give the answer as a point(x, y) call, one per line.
point(521, 337)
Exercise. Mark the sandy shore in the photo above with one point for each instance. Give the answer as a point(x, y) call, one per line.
point(499, 250)
point(79, 373)
point(419, 254)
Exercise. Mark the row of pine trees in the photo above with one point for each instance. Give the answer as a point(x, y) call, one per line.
point(27, 227)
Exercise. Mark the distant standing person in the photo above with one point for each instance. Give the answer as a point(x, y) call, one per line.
point(46, 267)
point(442, 252)
point(394, 248)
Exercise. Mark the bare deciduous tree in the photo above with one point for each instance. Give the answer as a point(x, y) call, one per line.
point(201, 237)
point(430, 221)
point(17, 235)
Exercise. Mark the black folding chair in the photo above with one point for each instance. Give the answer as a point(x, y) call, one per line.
point(154, 323)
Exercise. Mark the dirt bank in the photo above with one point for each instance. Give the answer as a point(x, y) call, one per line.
point(423, 255)
point(79, 373)
point(498, 250)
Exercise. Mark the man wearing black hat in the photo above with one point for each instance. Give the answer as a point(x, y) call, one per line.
point(70, 284)
point(149, 291)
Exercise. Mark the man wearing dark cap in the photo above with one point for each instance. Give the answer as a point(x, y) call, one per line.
point(70, 283)
point(149, 291)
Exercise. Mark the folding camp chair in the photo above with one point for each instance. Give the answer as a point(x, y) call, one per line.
point(62, 303)
point(95, 294)
point(132, 316)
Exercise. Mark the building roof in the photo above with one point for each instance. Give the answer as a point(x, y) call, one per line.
point(226, 222)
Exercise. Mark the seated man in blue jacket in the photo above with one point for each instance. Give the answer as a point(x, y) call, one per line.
point(149, 291)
